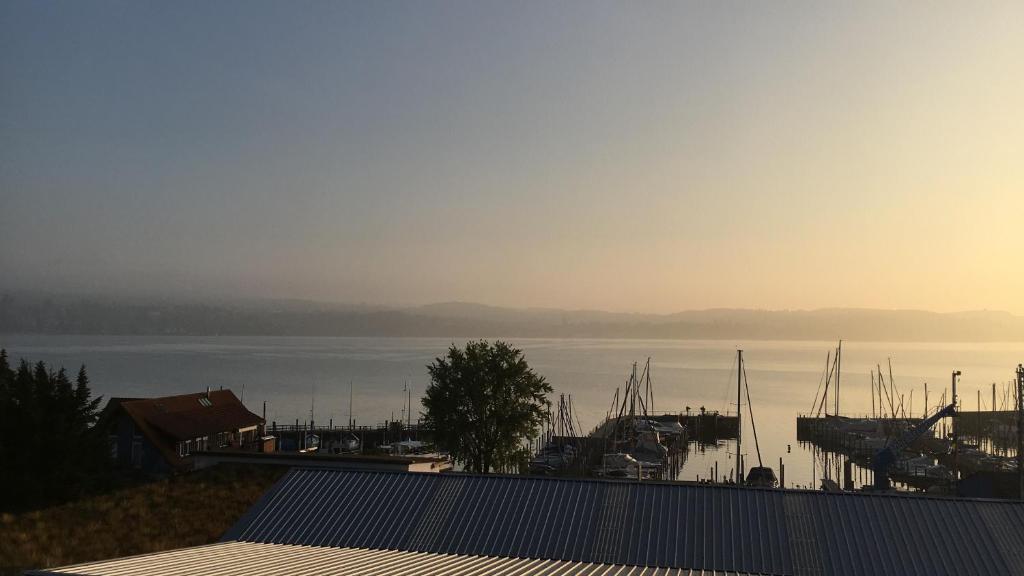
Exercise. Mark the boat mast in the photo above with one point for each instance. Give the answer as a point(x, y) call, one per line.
point(872, 393)
point(408, 411)
point(650, 392)
point(633, 396)
point(1020, 427)
point(739, 425)
point(839, 367)
point(753, 426)
point(828, 382)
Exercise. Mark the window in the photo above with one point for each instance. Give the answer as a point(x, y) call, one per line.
point(248, 436)
point(112, 443)
point(205, 402)
point(137, 452)
point(186, 447)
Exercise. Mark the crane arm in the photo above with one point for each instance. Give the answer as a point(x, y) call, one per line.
point(885, 457)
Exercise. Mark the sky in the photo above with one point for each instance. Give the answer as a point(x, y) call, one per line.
point(648, 157)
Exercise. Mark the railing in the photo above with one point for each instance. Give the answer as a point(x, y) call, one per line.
point(393, 427)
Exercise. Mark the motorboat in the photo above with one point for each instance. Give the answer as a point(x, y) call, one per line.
point(406, 447)
point(552, 458)
point(915, 465)
point(350, 444)
point(829, 485)
point(649, 445)
point(620, 465)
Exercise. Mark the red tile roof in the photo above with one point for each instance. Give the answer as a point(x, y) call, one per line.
point(186, 417)
point(173, 418)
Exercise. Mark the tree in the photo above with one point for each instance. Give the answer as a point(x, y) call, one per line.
point(50, 448)
point(484, 403)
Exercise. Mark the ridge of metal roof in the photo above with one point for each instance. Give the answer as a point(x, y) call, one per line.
point(315, 456)
point(651, 524)
point(255, 559)
point(690, 483)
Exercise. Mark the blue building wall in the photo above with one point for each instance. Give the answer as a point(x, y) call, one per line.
point(150, 458)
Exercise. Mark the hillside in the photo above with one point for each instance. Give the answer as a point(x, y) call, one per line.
point(21, 313)
point(182, 511)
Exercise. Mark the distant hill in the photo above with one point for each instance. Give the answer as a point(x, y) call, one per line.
point(28, 313)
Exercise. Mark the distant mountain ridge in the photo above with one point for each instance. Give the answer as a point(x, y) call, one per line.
point(50, 314)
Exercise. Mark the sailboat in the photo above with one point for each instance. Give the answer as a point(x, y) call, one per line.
point(560, 442)
point(759, 475)
point(634, 438)
point(635, 434)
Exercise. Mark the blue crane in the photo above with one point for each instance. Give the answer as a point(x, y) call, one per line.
point(885, 457)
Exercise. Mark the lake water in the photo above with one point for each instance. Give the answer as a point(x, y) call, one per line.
point(288, 373)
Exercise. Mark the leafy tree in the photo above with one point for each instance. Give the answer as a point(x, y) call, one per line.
point(50, 449)
point(484, 403)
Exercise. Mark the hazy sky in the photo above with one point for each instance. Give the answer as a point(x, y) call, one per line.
point(624, 156)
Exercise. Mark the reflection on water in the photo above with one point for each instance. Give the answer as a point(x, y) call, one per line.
point(288, 373)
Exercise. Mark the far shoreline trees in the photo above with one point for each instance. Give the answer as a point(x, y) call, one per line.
point(483, 403)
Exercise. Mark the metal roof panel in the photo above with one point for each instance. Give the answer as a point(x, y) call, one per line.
point(647, 524)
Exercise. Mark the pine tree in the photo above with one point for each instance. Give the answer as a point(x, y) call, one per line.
point(50, 450)
point(6, 413)
point(89, 408)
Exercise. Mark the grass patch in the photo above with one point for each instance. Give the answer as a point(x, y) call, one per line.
point(186, 510)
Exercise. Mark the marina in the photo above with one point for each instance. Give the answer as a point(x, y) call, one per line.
point(687, 373)
point(971, 453)
point(632, 441)
point(396, 437)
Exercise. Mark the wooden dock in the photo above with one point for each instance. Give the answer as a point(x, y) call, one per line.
point(294, 437)
point(710, 426)
point(701, 427)
point(998, 426)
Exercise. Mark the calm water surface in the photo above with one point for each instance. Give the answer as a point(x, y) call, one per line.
point(290, 373)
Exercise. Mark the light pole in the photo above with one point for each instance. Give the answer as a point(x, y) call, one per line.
point(1020, 429)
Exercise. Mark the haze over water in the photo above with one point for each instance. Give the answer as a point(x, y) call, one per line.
point(288, 373)
point(633, 157)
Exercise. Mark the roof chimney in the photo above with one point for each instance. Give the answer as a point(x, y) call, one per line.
point(207, 391)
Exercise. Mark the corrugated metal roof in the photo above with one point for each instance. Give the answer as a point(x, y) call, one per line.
point(252, 559)
point(698, 527)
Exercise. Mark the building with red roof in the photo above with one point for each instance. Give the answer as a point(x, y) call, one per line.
point(161, 434)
